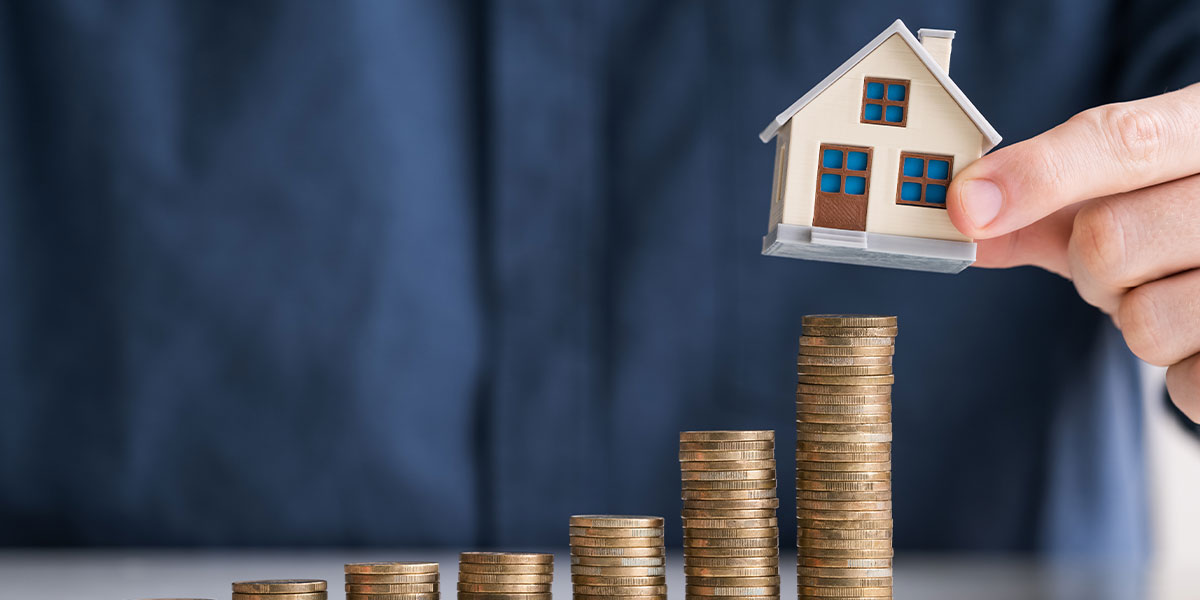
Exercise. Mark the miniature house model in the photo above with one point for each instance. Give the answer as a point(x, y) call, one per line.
point(863, 160)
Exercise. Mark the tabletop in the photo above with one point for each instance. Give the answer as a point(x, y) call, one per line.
point(133, 574)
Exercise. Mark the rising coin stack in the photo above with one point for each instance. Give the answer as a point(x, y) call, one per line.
point(843, 457)
point(392, 581)
point(280, 589)
point(615, 557)
point(505, 576)
point(730, 531)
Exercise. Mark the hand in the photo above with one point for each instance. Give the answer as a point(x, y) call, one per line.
point(1110, 200)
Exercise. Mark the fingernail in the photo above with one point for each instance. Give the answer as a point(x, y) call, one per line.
point(982, 201)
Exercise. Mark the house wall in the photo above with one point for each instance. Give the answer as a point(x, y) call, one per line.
point(936, 125)
point(779, 183)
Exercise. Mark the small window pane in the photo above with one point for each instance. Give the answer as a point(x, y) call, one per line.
point(857, 161)
point(856, 185)
point(939, 169)
point(913, 167)
point(832, 159)
point(935, 193)
point(895, 114)
point(831, 183)
point(873, 112)
point(896, 92)
point(910, 192)
point(875, 90)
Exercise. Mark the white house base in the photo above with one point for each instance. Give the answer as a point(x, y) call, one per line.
point(871, 249)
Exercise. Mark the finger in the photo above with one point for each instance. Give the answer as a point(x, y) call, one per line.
point(1183, 384)
point(1120, 242)
point(1161, 319)
point(1099, 152)
point(1043, 244)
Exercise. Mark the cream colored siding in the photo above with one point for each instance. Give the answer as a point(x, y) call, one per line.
point(936, 125)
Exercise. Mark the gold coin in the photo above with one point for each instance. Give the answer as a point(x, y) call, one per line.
point(617, 521)
point(392, 568)
point(845, 534)
point(500, 596)
point(622, 542)
point(887, 350)
point(690, 552)
point(503, 588)
point(280, 586)
point(848, 320)
point(828, 402)
point(845, 524)
point(507, 558)
point(754, 474)
point(693, 513)
point(851, 332)
point(826, 389)
point(617, 531)
point(742, 581)
point(834, 572)
point(842, 428)
point(844, 486)
point(844, 563)
point(841, 496)
point(845, 582)
point(843, 370)
point(747, 562)
point(709, 590)
point(810, 475)
point(728, 446)
point(631, 562)
point(729, 505)
point(391, 588)
point(506, 569)
point(623, 552)
point(807, 543)
point(620, 590)
point(378, 578)
point(724, 456)
point(731, 542)
point(736, 466)
point(578, 596)
point(699, 571)
point(434, 596)
point(526, 578)
point(845, 505)
point(735, 484)
point(832, 592)
point(849, 380)
point(845, 467)
point(730, 523)
point(282, 596)
point(810, 436)
point(843, 361)
point(859, 419)
point(846, 552)
point(748, 532)
point(761, 494)
point(843, 341)
point(616, 571)
point(844, 457)
point(623, 581)
point(803, 446)
point(727, 436)
point(837, 515)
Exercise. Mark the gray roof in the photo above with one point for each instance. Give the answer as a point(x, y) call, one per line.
point(896, 28)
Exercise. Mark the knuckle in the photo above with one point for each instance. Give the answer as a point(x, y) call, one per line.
point(1183, 385)
point(1099, 242)
point(1141, 325)
point(1133, 133)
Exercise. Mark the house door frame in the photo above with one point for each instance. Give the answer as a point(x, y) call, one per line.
point(841, 210)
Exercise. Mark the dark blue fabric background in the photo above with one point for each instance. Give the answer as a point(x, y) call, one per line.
point(445, 273)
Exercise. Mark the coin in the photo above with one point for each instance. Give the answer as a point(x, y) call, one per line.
point(738, 532)
point(811, 542)
point(843, 370)
point(767, 551)
point(860, 419)
point(498, 578)
point(282, 596)
point(730, 523)
point(732, 542)
point(622, 552)
point(392, 568)
point(617, 571)
point(619, 542)
point(381, 578)
point(356, 596)
point(391, 588)
point(726, 436)
point(578, 596)
point(506, 558)
point(846, 524)
point(762, 494)
point(823, 401)
point(809, 436)
point(771, 570)
point(623, 590)
point(706, 590)
point(693, 513)
point(850, 332)
point(887, 350)
point(831, 592)
point(728, 446)
point(845, 504)
point(496, 588)
point(843, 361)
point(280, 586)
point(848, 320)
point(745, 562)
point(845, 486)
point(845, 534)
point(618, 561)
point(747, 475)
point(856, 582)
point(845, 467)
point(844, 457)
point(723, 456)
point(500, 596)
point(611, 580)
point(736, 484)
point(841, 496)
point(806, 446)
point(617, 531)
point(846, 552)
point(853, 380)
point(857, 342)
point(618, 521)
point(738, 466)
point(834, 572)
point(505, 569)
point(827, 389)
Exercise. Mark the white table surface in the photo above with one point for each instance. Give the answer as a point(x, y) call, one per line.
point(133, 574)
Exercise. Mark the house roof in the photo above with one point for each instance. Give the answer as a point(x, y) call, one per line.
point(896, 28)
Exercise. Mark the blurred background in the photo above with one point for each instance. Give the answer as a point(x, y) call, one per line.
point(438, 273)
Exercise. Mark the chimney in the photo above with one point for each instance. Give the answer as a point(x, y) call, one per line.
point(937, 43)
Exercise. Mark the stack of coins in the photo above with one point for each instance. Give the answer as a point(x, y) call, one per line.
point(730, 531)
point(617, 557)
point(392, 581)
point(505, 576)
point(843, 457)
point(280, 589)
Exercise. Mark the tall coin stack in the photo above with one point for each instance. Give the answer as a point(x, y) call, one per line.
point(505, 576)
point(280, 589)
point(730, 531)
point(392, 581)
point(843, 457)
point(616, 557)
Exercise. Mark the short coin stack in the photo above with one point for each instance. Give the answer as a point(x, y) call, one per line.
point(615, 557)
point(280, 589)
point(730, 530)
point(843, 457)
point(392, 581)
point(505, 576)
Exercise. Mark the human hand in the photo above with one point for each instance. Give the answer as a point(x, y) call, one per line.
point(1110, 200)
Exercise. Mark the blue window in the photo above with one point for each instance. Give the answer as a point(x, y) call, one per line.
point(831, 159)
point(885, 101)
point(856, 185)
point(857, 161)
point(831, 183)
point(844, 170)
point(924, 179)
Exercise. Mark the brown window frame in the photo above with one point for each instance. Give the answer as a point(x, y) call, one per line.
point(903, 104)
point(845, 172)
point(924, 180)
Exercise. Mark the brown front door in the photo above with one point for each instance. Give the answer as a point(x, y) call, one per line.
point(843, 178)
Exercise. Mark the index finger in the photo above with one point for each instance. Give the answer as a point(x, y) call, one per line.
point(1101, 151)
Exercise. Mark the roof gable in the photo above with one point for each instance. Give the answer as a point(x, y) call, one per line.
point(896, 28)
